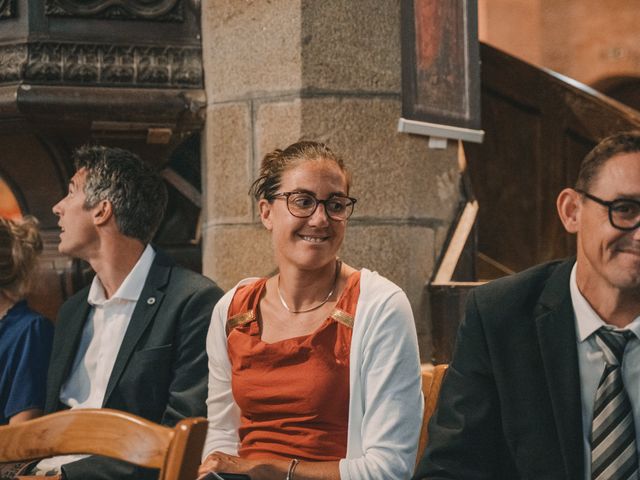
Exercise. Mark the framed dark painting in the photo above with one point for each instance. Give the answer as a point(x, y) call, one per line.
point(441, 69)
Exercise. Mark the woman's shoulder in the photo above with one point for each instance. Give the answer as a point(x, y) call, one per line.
point(250, 283)
point(225, 301)
point(382, 304)
point(24, 322)
point(376, 285)
point(21, 313)
point(245, 283)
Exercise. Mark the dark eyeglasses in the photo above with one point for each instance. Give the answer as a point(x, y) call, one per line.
point(624, 213)
point(304, 204)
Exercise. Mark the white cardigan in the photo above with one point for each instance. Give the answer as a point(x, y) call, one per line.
point(385, 396)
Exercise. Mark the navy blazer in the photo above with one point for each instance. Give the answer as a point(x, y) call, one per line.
point(510, 405)
point(160, 372)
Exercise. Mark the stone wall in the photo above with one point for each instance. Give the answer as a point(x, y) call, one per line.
point(281, 70)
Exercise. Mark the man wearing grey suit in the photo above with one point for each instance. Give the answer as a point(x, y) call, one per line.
point(134, 340)
point(545, 378)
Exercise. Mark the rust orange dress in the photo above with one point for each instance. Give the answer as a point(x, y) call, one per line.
point(293, 394)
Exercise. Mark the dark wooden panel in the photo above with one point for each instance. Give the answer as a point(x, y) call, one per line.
point(574, 149)
point(539, 125)
point(447, 302)
point(505, 180)
point(623, 89)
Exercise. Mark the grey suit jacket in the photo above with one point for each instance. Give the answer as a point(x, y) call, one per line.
point(160, 372)
point(510, 405)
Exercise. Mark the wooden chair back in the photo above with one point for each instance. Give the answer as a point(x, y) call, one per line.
point(110, 433)
point(431, 381)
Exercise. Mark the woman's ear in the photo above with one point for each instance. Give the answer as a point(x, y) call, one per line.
point(265, 213)
point(569, 203)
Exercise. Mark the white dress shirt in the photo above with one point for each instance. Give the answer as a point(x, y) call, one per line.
point(591, 364)
point(99, 345)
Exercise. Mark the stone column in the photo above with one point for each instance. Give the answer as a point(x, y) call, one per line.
point(281, 70)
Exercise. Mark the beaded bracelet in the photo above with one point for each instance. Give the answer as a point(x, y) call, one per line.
point(292, 466)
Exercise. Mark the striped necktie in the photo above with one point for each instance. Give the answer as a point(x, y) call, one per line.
point(613, 437)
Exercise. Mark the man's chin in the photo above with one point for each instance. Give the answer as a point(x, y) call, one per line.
point(63, 249)
point(629, 282)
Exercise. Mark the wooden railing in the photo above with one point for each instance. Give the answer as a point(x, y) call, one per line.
point(538, 126)
point(456, 273)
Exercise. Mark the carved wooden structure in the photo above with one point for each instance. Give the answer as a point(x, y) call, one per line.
point(125, 73)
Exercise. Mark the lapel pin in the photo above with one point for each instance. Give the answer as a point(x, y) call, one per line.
point(151, 300)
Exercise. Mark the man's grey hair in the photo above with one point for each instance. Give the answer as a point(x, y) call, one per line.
point(136, 191)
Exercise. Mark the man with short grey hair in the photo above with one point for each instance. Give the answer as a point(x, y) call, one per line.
point(134, 340)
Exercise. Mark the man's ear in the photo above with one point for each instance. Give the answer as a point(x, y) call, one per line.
point(569, 204)
point(102, 212)
point(265, 213)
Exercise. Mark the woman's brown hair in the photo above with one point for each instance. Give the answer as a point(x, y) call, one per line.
point(275, 163)
point(20, 245)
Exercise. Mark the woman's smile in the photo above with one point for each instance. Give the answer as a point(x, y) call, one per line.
point(313, 238)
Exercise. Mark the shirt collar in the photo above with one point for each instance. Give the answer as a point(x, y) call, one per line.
point(587, 320)
point(131, 287)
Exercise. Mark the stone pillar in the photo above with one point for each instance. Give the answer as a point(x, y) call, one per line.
point(283, 70)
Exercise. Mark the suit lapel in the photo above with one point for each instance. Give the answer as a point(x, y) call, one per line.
point(63, 356)
point(557, 337)
point(145, 311)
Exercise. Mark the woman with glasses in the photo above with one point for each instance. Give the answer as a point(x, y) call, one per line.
point(25, 336)
point(313, 372)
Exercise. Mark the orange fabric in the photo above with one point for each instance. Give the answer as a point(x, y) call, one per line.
point(293, 394)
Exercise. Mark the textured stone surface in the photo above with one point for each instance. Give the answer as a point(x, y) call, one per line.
point(441, 234)
point(395, 175)
point(277, 124)
point(234, 252)
point(403, 254)
point(251, 48)
point(351, 46)
point(228, 171)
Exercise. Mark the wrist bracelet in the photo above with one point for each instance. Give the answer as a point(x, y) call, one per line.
point(292, 466)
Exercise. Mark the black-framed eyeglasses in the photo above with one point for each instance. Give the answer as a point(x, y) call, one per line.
point(624, 213)
point(304, 204)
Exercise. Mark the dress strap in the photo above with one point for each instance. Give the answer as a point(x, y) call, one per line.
point(244, 304)
point(345, 310)
point(343, 317)
point(239, 320)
